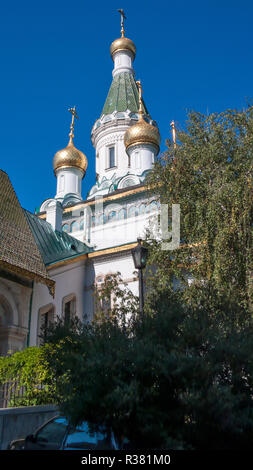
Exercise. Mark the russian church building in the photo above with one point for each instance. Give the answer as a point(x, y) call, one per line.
point(83, 241)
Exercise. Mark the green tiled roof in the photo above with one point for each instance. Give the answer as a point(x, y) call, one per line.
point(123, 95)
point(53, 245)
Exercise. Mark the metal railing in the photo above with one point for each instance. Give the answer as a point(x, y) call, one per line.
point(14, 395)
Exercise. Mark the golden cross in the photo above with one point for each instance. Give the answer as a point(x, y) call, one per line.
point(123, 16)
point(74, 115)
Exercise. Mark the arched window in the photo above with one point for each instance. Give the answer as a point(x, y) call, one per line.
point(74, 227)
point(65, 228)
point(69, 308)
point(45, 318)
point(153, 206)
point(142, 209)
point(5, 312)
point(62, 183)
point(112, 216)
point(133, 211)
point(122, 214)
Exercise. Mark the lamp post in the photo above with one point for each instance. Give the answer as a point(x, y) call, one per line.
point(139, 254)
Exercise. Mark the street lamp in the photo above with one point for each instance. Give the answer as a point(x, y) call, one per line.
point(140, 254)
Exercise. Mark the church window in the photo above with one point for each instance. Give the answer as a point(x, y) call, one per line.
point(62, 183)
point(82, 224)
point(74, 227)
point(112, 216)
point(111, 157)
point(142, 209)
point(153, 206)
point(69, 308)
point(45, 318)
point(128, 182)
point(65, 228)
point(137, 160)
point(122, 214)
point(133, 211)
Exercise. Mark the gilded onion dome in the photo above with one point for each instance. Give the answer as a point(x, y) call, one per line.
point(123, 43)
point(70, 156)
point(142, 132)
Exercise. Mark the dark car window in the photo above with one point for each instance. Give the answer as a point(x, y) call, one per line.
point(81, 438)
point(53, 432)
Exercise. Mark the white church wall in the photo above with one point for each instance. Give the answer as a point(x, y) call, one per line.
point(102, 266)
point(68, 181)
point(69, 280)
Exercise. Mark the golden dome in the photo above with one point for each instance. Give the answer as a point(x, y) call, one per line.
point(70, 157)
point(123, 44)
point(142, 133)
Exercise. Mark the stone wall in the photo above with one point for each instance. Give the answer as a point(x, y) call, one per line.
point(16, 423)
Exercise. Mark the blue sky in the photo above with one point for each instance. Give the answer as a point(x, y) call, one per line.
point(54, 54)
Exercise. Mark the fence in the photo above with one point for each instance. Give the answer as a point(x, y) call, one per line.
point(14, 395)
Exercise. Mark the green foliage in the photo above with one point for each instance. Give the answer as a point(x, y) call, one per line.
point(29, 371)
point(182, 378)
point(210, 175)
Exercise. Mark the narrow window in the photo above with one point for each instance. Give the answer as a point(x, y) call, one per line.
point(62, 183)
point(44, 320)
point(69, 310)
point(137, 160)
point(111, 157)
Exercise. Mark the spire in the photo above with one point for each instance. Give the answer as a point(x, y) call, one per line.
point(123, 44)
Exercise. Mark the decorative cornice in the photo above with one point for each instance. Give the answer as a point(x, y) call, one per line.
point(65, 262)
point(109, 251)
point(29, 275)
point(116, 195)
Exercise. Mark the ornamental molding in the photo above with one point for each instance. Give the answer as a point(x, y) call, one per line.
point(110, 138)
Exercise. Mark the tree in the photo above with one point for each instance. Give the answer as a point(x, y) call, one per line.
point(210, 175)
point(182, 377)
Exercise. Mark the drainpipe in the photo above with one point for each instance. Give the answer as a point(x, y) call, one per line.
point(30, 317)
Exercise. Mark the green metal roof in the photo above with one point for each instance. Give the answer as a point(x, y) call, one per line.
point(54, 246)
point(123, 95)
